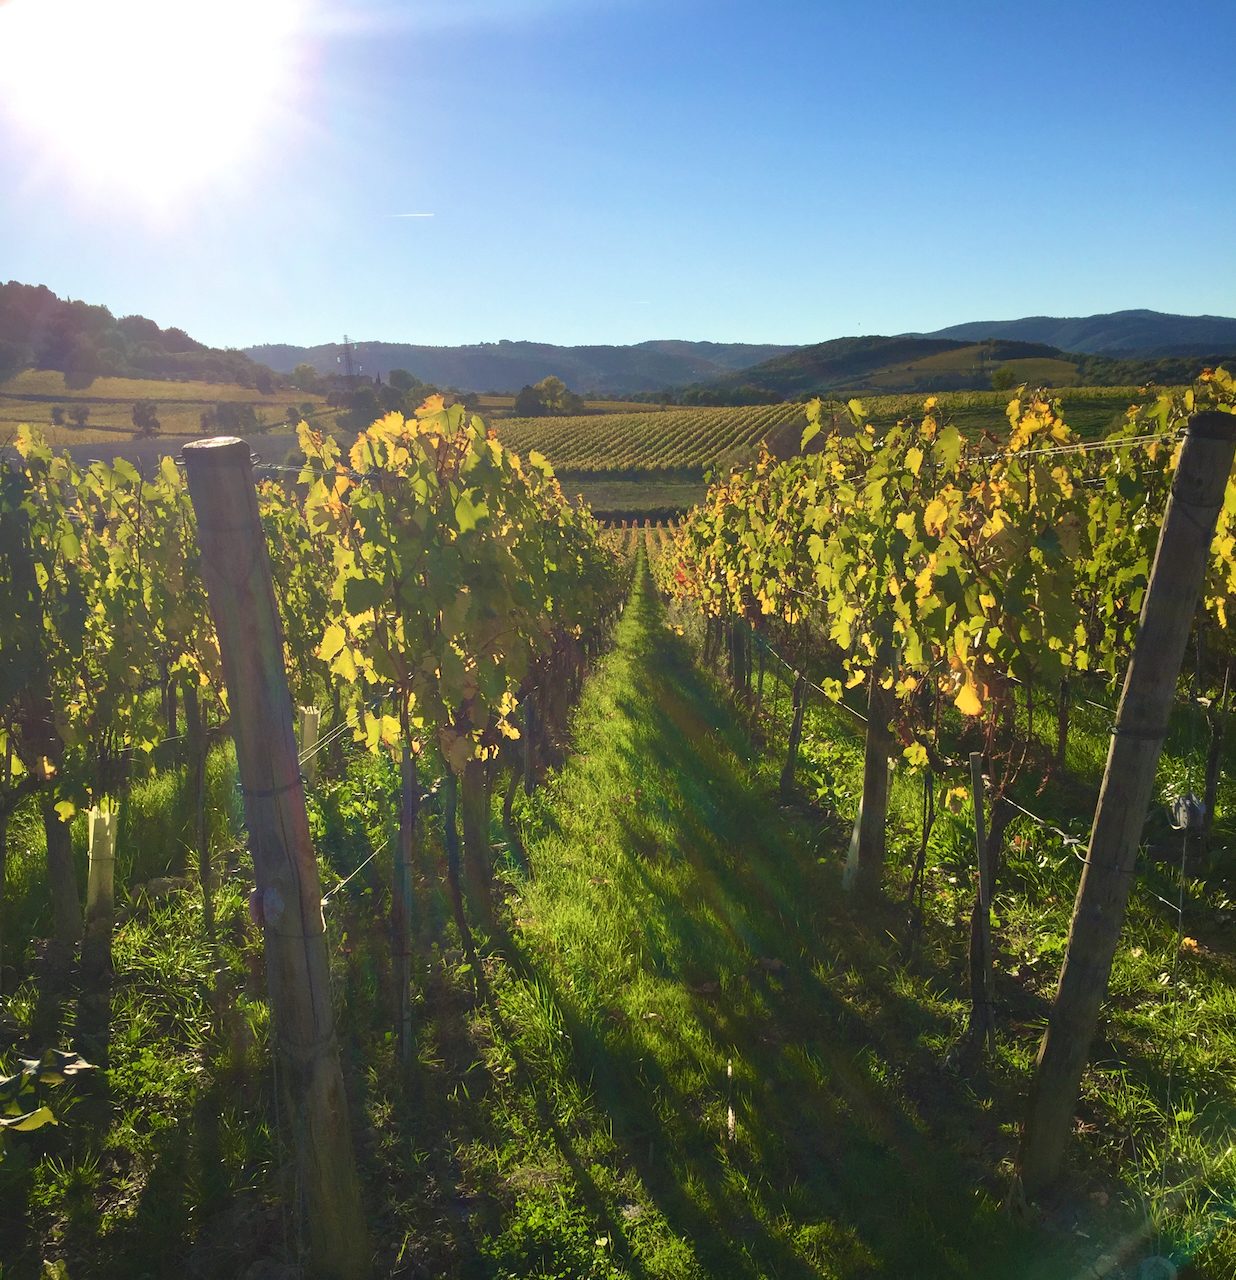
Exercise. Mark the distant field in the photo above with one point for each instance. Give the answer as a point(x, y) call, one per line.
point(973, 362)
point(31, 396)
point(42, 383)
point(1090, 411)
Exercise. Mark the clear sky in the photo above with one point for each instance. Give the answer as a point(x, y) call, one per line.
point(616, 170)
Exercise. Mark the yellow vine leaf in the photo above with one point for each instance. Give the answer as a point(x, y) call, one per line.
point(333, 640)
point(935, 517)
point(968, 701)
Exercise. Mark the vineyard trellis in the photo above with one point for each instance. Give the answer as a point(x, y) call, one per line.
point(424, 587)
point(958, 581)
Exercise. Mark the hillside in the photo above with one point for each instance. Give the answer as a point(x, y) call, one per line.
point(1142, 333)
point(884, 365)
point(85, 341)
point(506, 366)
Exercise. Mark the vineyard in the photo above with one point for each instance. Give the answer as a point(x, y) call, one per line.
point(431, 592)
point(682, 440)
point(674, 440)
point(405, 873)
point(964, 585)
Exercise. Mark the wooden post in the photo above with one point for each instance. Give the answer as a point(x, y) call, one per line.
point(984, 1022)
point(1128, 785)
point(236, 571)
point(864, 874)
point(100, 891)
point(308, 726)
point(796, 733)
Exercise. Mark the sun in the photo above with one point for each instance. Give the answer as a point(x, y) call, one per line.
point(150, 101)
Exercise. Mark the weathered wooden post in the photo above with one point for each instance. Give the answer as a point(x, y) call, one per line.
point(288, 902)
point(100, 891)
point(1128, 785)
point(308, 727)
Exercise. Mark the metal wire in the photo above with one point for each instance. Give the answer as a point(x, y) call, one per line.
point(343, 883)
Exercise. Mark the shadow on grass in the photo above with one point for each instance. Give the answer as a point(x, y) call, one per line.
point(839, 1159)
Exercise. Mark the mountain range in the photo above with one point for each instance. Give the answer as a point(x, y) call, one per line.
point(1130, 334)
point(960, 356)
point(507, 366)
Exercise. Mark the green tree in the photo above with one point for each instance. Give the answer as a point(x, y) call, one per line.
point(305, 378)
point(528, 403)
point(146, 419)
point(1003, 379)
point(364, 408)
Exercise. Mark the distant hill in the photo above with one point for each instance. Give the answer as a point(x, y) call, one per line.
point(507, 366)
point(884, 365)
point(41, 330)
point(1118, 333)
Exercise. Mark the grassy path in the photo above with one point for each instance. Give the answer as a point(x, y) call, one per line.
point(681, 929)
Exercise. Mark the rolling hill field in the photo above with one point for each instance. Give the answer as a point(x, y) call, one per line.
point(31, 396)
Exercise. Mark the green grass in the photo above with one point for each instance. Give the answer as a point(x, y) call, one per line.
point(680, 925)
point(629, 499)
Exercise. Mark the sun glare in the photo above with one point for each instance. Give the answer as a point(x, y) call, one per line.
point(150, 101)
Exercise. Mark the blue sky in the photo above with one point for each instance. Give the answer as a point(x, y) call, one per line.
point(615, 170)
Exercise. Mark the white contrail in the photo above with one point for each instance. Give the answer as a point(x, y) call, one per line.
point(409, 215)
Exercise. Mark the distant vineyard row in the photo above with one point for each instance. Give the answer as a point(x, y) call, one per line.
point(674, 439)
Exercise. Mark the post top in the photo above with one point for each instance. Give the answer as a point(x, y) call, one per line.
point(1212, 424)
point(217, 450)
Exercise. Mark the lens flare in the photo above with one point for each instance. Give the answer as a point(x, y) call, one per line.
point(150, 102)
